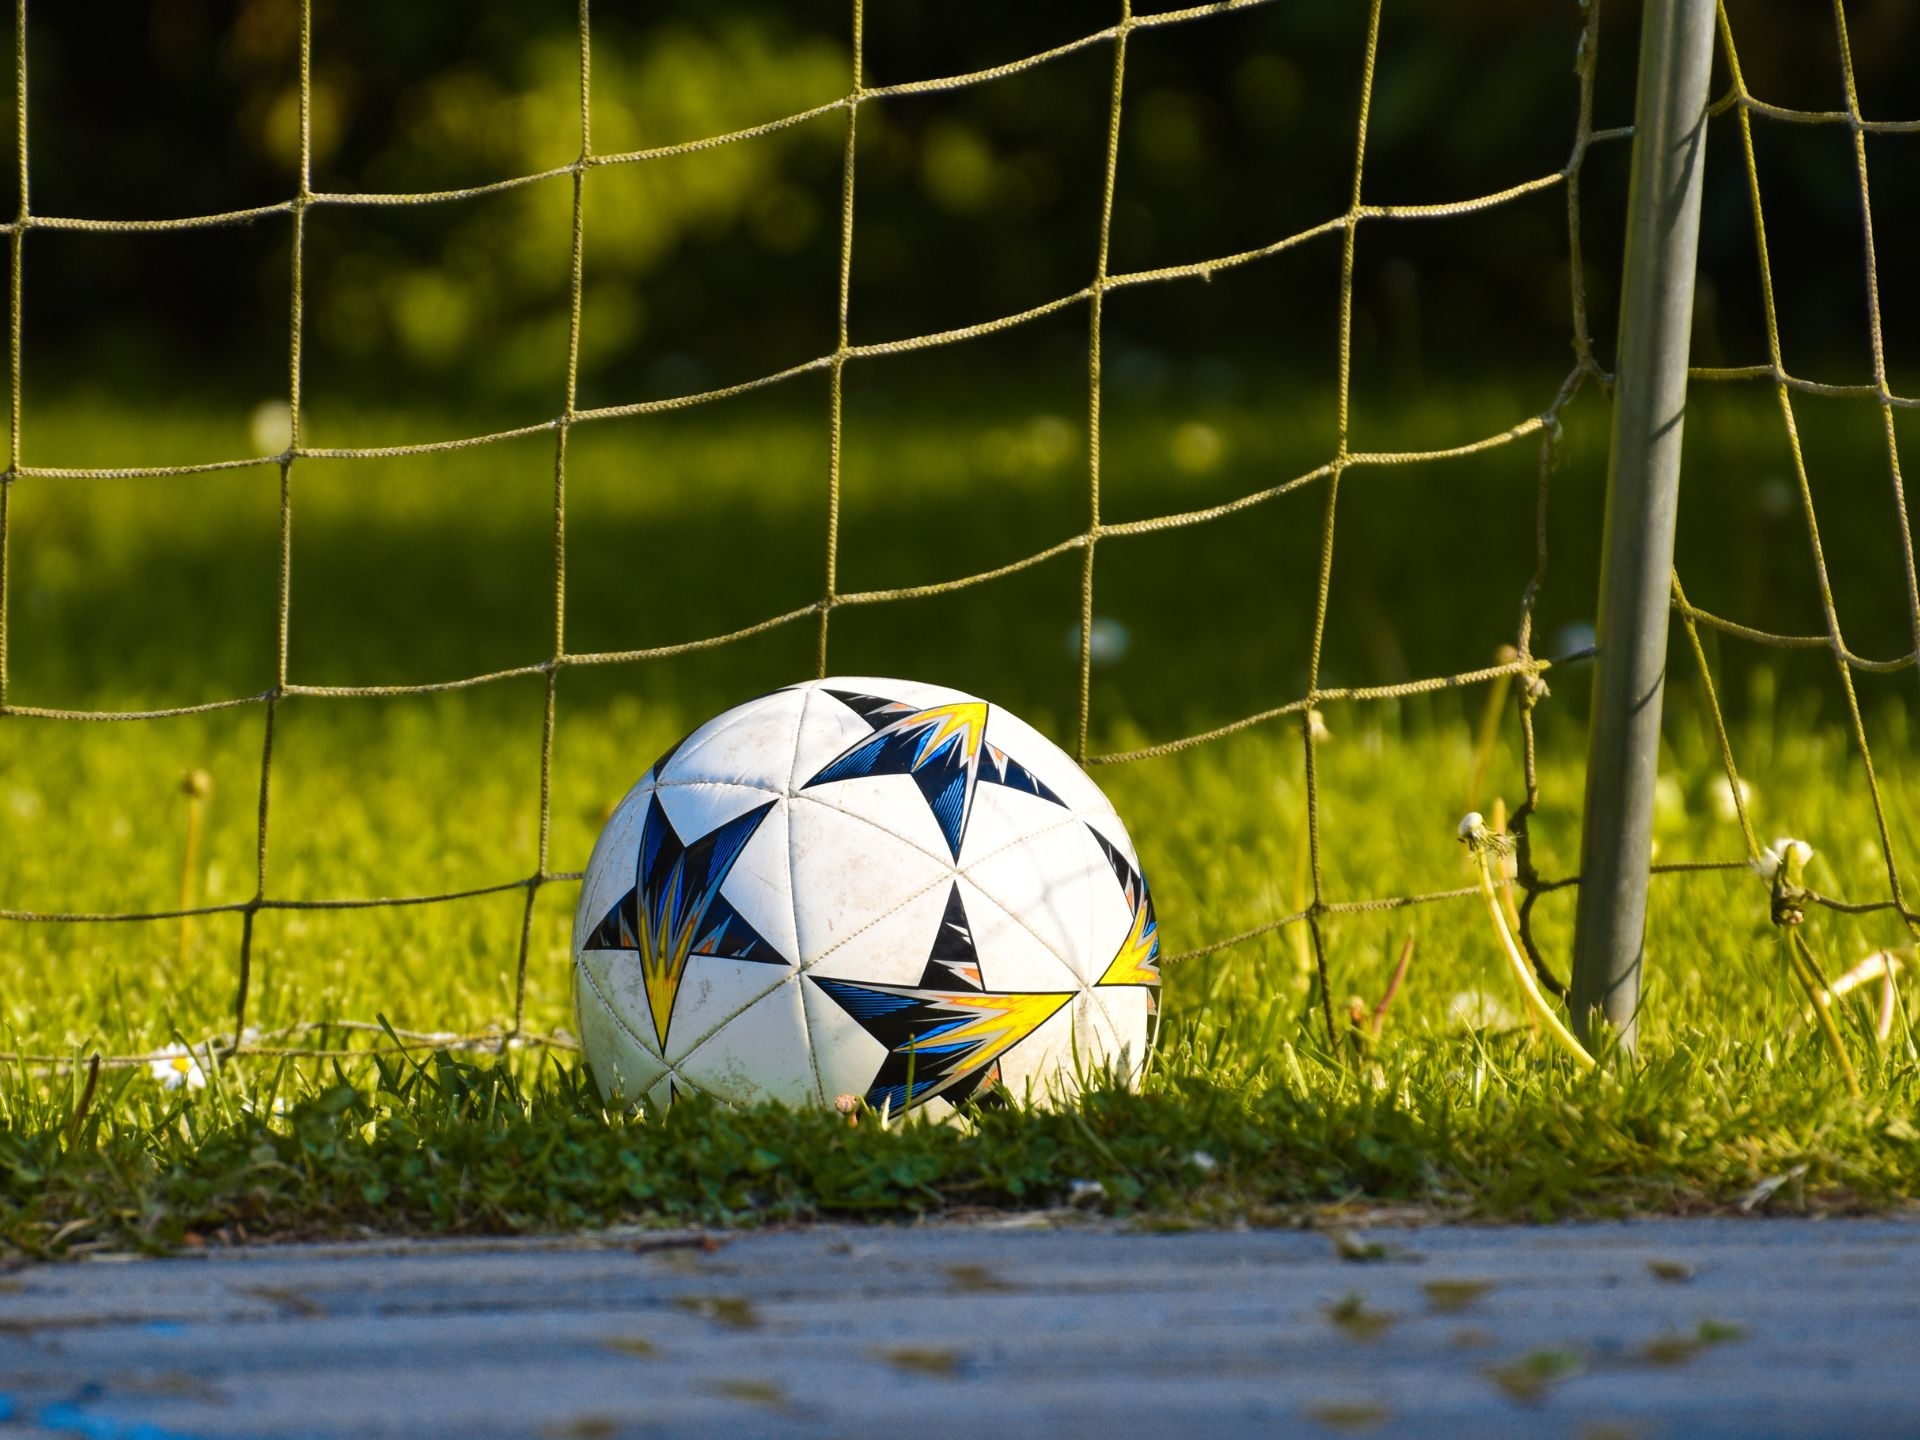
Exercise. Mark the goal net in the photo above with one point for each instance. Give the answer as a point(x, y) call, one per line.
point(1317, 500)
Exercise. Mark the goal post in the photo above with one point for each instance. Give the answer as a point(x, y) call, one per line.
point(1643, 489)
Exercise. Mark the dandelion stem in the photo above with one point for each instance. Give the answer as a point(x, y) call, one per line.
point(1507, 869)
point(1522, 972)
point(1808, 974)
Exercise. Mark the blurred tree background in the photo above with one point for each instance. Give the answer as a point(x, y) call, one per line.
point(717, 266)
point(429, 321)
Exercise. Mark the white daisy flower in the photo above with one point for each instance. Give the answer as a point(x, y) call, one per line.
point(175, 1066)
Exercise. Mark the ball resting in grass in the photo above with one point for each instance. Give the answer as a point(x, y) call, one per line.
point(865, 887)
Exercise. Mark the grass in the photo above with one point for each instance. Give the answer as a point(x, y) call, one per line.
point(128, 594)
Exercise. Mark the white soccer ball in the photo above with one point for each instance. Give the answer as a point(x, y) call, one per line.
point(865, 887)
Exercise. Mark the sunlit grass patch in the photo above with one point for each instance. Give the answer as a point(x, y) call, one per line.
point(1437, 1091)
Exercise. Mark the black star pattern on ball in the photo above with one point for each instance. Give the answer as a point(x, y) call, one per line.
point(675, 909)
point(1137, 961)
point(946, 1035)
point(942, 747)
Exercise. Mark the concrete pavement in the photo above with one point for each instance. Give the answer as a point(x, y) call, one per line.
point(1659, 1328)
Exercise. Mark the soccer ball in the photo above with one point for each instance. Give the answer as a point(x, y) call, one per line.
point(864, 887)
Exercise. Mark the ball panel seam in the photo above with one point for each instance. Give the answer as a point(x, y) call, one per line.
point(807, 963)
point(581, 972)
point(734, 1014)
point(937, 856)
point(750, 710)
point(985, 894)
point(792, 977)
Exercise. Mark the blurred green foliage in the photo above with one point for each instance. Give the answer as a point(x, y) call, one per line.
point(716, 266)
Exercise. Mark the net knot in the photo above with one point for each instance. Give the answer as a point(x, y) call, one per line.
point(1784, 864)
point(1533, 686)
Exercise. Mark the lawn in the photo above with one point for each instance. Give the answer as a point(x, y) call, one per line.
point(149, 593)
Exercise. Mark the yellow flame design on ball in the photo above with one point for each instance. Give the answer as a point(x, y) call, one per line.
point(1138, 961)
point(965, 718)
point(1005, 1020)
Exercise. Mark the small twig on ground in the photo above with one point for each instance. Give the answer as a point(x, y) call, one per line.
point(1368, 1025)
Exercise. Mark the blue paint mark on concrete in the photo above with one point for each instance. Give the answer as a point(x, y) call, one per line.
point(67, 1418)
